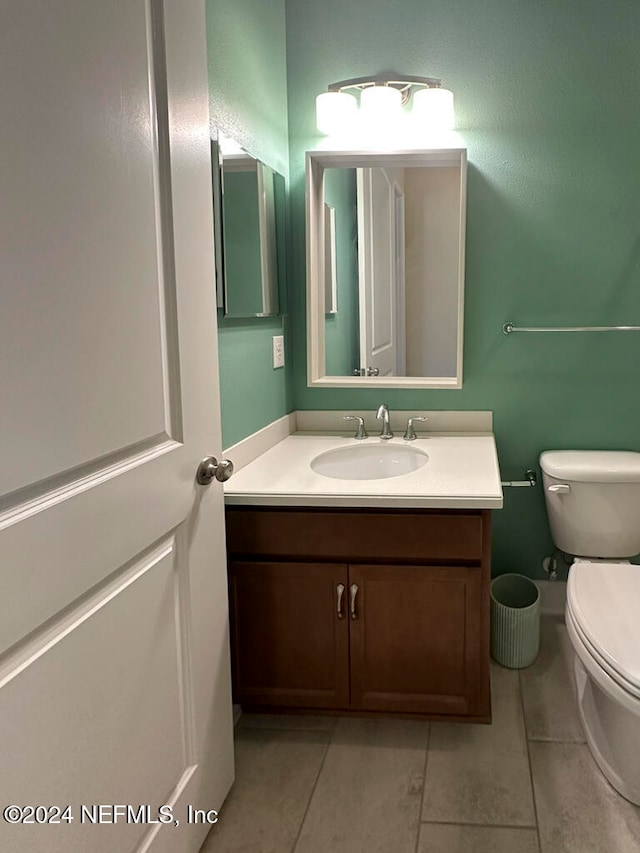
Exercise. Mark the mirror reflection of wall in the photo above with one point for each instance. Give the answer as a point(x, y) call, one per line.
point(397, 262)
point(341, 252)
point(250, 218)
point(249, 238)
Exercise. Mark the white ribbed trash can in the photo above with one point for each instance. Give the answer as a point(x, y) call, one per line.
point(515, 620)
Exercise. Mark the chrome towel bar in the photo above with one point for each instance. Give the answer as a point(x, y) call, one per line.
point(508, 328)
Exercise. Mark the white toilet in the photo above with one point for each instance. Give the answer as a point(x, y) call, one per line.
point(593, 503)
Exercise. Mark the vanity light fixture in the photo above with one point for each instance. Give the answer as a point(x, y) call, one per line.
point(381, 102)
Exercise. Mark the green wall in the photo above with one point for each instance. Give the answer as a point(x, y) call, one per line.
point(342, 333)
point(546, 102)
point(248, 101)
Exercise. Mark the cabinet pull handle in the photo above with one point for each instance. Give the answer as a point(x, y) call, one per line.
point(340, 591)
point(353, 592)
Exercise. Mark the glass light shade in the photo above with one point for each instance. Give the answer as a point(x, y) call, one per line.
point(433, 108)
point(381, 104)
point(335, 111)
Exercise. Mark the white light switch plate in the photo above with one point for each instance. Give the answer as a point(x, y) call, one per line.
point(278, 350)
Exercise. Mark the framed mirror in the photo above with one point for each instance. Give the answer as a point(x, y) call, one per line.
point(249, 231)
point(385, 268)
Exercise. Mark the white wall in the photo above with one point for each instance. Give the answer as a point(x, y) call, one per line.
point(432, 207)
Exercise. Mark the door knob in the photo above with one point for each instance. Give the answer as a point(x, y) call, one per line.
point(210, 469)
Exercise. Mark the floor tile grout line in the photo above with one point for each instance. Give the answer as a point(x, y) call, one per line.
point(554, 740)
point(526, 740)
point(313, 789)
point(424, 788)
point(524, 827)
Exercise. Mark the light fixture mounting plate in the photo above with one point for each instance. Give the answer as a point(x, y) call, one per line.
point(403, 83)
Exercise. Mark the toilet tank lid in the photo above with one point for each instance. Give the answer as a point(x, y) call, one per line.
point(592, 466)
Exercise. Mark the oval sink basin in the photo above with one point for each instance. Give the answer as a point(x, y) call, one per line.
point(368, 462)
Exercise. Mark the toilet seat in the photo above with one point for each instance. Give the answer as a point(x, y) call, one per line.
point(603, 607)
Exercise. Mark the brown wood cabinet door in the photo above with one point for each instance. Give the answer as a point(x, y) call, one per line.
point(417, 640)
point(290, 645)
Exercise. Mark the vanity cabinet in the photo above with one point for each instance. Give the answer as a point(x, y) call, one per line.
point(357, 610)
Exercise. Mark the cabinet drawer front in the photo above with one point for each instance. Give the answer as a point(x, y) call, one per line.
point(413, 536)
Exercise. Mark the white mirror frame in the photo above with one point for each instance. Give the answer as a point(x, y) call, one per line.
point(316, 163)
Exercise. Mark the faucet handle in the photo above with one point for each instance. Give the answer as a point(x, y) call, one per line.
point(361, 431)
point(410, 433)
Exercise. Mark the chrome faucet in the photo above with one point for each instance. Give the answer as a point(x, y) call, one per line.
point(410, 433)
point(361, 432)
point(383, 415)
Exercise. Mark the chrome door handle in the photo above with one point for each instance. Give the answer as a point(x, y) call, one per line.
point(340, 592)
point(210, 469)
point(353, 593)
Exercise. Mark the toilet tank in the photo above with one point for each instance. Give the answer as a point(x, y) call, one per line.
point(593, 501)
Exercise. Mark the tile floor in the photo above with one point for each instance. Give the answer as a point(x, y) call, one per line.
point(525, 784)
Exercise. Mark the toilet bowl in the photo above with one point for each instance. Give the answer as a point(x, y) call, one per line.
point(593, 503)
point(601, 618)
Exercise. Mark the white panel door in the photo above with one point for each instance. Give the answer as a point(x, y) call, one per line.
point(114, 661)
point(378, 268)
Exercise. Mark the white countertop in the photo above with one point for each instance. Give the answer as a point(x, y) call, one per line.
point(461, 473)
